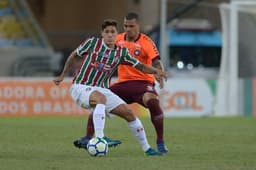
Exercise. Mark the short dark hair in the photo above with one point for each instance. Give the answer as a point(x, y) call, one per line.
point(108, 22)
point(132, 15)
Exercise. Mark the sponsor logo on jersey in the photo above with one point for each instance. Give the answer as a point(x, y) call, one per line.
point(101, 66)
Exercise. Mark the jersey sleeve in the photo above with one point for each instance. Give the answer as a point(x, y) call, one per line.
point(84, 47)
point(128, 59)
point(151, 49)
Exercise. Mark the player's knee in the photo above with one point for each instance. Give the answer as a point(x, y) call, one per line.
point(147, 97)
point(158, 117)
point(125, 112)
point(97, 98)
point(154, 107)
point(152, 102)
point(129, 116)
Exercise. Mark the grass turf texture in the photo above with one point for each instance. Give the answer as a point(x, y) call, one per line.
point(194, 143)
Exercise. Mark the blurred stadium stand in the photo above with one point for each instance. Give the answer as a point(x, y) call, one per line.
point(24, 47)
point(21, 36)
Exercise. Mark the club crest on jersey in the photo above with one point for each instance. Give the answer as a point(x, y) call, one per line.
point(137, 52)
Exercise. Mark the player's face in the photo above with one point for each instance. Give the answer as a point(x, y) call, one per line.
point(131, 27)
point(109, 35)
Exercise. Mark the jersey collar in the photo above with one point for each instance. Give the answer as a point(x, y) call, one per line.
point(134, 40)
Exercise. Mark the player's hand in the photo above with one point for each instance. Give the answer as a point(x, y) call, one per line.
point(160, 77)
point(58, 80)
point(160, 81)
point(161, 74)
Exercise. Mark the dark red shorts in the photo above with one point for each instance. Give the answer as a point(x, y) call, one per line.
point(132, 91)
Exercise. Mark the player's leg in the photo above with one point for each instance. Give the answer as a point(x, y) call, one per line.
point(136, 127)
point(115, 105)
point(90, 126)
point(97, 100)
point(145, 95)
point(83, 141)
point(125, 90)
point(151, 101)
point(91, 97)
point(120, 90)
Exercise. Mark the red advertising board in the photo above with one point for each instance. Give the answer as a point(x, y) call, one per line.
point(36, 97)
point(41, 97)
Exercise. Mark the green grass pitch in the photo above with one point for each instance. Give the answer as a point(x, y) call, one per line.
point(45, 143)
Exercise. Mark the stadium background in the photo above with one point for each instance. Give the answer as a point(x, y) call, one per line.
point(37, 36)
point(39, 122)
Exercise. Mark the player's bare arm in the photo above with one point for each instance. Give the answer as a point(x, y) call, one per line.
point(68, 65)
point(151, 70)
point(158, 64)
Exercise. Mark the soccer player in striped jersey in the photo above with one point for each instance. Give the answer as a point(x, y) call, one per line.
point(100, 59)
point(142, 48)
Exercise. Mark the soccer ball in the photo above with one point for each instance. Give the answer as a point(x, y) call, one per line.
point(97, 147)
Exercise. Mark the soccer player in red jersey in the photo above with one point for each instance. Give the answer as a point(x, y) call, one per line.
point(142, 48)
point(100, 58)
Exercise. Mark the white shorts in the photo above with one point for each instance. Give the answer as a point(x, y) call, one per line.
point(80, 94)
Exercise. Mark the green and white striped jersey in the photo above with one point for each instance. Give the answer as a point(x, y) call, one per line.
point(100, 62)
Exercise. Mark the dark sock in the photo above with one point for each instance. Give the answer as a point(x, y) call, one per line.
point(90, 127)
point(156, 118)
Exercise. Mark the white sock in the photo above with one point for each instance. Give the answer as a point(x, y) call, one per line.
point(138, 130)
point(99, 120)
